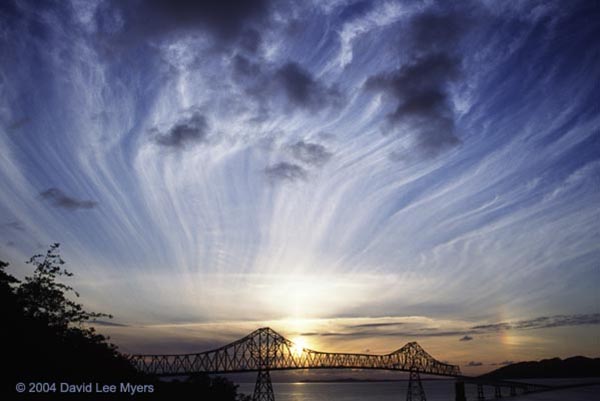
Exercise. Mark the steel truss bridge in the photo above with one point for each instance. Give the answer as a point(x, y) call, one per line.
point(265, 350)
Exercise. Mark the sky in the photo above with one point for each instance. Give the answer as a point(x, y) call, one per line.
point(357, 174)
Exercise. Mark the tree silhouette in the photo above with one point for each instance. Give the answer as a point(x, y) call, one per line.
point(44, 298)
point(47, 337)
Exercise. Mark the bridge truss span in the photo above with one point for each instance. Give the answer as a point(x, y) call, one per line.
point(265, 349)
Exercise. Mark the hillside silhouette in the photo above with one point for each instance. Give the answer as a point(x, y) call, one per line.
point(47, 338)
point(577, 366)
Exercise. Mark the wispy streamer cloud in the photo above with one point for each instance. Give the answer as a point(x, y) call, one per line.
point(232, 156)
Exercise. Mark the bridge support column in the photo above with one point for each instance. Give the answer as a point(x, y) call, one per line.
point(480, 393)
point(497, 392)
point(459, 391)
point(513, 391)
point(263, 390)
point(415, 388)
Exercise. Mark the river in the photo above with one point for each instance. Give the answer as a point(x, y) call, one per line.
point(435, 390)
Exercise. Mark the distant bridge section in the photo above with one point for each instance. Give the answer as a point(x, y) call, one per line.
point(266, 350)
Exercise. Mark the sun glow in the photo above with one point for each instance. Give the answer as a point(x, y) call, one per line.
point(299, 346)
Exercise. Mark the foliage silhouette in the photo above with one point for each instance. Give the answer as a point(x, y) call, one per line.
point(47, 337)
point(45, 299)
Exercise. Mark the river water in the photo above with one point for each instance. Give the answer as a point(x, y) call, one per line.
point(438, 390)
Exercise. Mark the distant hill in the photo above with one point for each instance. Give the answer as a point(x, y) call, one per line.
point(577, 366)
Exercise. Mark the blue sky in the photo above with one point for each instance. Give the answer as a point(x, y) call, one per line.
point(353, 172)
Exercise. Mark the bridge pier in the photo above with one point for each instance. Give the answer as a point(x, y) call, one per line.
point(459, 391)
point(263, 389)
point(415, 390)
point(497, 392)
point(480, 393)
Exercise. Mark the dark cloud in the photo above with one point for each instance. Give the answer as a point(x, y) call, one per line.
point(243, 68)
point(267, 84)
point(226, 20)
point(330, 334)
point(168, 344)
point(310, 153)
point(371, 325)
point(436, 31)
point(422, 100)
point(107, 323)
point(24, 15)
point(18, 124)
point(467, 334)
point(14, 225)
point(355, 10)
point(567, 320)
point(326, 136)
point(420, 87)
point(59, 199)
point(302, 89)
point(542, 322)
point(415, 333)
point(493, 327)
point(185, 133)
point(250, 41)
point(285, 171)
point(473, 363)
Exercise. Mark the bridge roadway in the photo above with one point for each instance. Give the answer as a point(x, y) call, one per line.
point(265, 350)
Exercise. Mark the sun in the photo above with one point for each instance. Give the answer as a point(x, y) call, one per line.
point(299, 346)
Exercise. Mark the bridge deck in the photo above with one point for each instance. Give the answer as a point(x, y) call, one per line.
point(264, 349)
